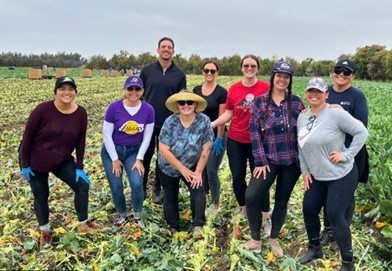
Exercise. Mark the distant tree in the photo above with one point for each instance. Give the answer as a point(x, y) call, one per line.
point(305, 69)
point(363, 57)
point(97, 62)
point(266, 66)
point(145, 58)
point(231, 65)
point(180, 61)
point(194, 64)
point(388, 65)
point(377, 66)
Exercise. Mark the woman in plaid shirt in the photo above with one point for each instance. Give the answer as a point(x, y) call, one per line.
point(273, 132)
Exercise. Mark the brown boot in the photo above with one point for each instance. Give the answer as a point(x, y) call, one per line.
point(45, 239)
point(88, 226)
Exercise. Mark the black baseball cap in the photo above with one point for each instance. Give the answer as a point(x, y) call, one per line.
point(64, 80)
point(346, 63)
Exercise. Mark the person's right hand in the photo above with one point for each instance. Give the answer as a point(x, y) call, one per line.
point(261, 170)
point(187, 174)
point(26, 172)
point(117, 167)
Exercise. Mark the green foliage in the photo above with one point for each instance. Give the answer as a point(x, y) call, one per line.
point(152, 249)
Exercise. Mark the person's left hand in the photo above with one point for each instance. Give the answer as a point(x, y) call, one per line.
point(196, 181)
point(217, 146)
point(336, 156)
point(138, 165)
point(80, 173)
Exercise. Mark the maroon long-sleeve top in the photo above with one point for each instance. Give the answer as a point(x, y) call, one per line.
point(51, 137)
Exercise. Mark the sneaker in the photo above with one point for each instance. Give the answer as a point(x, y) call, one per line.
point(157, 197)
point(45, 239)
point(267, 225)
point(88, 226)
point(121, 221)
point(275, 247)
point(170, 231)
point(252, 245)
point(138, 221)
point(197, 233)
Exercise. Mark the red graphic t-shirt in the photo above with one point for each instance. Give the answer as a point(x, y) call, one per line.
point(240, 99)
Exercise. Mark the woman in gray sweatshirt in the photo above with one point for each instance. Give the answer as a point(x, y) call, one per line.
point(328, 169)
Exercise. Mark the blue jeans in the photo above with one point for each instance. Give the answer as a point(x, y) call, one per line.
point(211, 180)
point(127, 155)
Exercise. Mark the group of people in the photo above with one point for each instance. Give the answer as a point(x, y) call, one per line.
point(270, 130)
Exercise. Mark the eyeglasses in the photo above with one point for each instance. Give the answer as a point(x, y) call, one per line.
point(247, 66)
point(182, 103)
point(309, 125)
point(136, 88)
point(206, 71)
point(345, 71)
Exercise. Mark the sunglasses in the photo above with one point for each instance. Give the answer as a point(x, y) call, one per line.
point(136, 88)
point(182, 103)
point(247, 66)
point(345, 71)
point(206, 71)
point(309, 125)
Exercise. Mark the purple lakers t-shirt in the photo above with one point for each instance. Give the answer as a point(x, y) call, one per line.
point(128, 129)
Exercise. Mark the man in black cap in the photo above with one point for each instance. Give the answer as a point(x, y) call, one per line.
point(354, 101)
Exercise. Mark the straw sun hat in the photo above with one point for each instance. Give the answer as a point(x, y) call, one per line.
point(185, 95)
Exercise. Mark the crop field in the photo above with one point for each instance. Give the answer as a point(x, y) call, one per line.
point(151, 248)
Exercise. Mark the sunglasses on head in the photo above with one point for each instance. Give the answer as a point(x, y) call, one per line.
point(309, 125)
point(206, 71)
point(247, 66)
point(182, 103)
point(136, 88)
point(339, 70)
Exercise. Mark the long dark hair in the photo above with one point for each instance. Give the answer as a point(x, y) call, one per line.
point(269, 101)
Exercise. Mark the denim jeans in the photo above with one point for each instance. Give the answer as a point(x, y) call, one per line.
point(40, 187)
point(127, 155)
point(171, 187)
point(211, 180)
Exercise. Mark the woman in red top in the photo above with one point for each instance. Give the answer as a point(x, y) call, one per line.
point(239, 103)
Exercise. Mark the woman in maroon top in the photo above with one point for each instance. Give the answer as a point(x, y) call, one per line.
point(54, 130)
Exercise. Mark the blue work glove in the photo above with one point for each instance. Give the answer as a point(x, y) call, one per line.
point(81, 174)
point(217, 146)
point(26, 172)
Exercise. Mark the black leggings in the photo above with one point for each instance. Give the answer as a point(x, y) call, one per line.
point(286, 178)
point(40, 187)
point(239, 153)
point(154, 143)
point(338, 196)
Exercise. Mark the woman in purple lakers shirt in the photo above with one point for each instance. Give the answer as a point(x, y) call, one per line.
point(127, 131)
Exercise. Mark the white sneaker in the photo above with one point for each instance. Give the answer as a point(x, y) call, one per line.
point(138, 220)
point(121, 221)
point(267, 225)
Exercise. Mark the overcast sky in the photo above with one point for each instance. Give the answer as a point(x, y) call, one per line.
point(319, 29)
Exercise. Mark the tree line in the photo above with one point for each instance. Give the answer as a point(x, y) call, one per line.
point(374, 62)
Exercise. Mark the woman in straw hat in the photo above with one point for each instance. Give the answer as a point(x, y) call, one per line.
point(184, 146)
